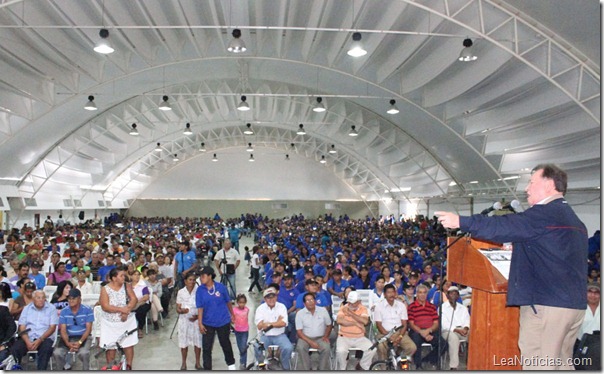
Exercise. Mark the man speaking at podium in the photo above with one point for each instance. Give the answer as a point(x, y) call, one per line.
point(548, 274)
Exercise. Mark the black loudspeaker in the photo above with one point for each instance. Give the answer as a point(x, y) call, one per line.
point(81, 215)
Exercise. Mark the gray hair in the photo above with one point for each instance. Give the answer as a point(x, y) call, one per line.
point(421, 287)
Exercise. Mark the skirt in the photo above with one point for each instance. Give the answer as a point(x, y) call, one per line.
point(111, 331)
point(188, 332)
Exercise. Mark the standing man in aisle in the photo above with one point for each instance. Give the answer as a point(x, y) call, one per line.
point(184, 262)
point(548, 274)
point(227, 262)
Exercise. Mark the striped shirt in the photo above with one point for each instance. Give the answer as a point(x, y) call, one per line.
point(422, 315)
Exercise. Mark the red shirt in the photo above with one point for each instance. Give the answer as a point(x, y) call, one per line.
point(422, 315)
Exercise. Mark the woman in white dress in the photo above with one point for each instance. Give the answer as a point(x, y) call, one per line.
point(188, 330)
point(117, 301)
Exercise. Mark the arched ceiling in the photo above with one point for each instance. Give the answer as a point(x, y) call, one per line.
point(475, 127)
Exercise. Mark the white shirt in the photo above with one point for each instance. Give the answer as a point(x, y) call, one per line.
point(268, 315)
point(255, 261)
point(455, 318)
point(187, 301)
point(374, 299)
point(390, 315)
point(231, 256)
point(85, 289)
point(168, 272)
point(591, 322)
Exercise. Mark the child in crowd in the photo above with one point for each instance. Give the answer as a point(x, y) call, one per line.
point(241, 327)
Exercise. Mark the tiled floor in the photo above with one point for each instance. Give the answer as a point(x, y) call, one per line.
point(156, 351)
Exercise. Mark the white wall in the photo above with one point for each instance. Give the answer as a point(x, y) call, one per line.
point(270, 177)
point(234, 208)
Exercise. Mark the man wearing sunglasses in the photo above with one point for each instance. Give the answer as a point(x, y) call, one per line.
point(75, 326)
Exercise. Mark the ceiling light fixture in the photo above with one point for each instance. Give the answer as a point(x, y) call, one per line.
point(353, 131)
point(252, 158)
point(243, 105)
point(301, 130)
point(248, 129)
point(103, 46)
point(356, 49)
point(158, 148)
point(319, 106)
point(393, 109)
point(236, 45)
point(286, 157)
point(133, 130)
point(164, 105)
point(249, 147)
point(202, 148)
point(90, 105)
point(467, 54)
point(214, 158)
point(323, 160)
point(188, 130)
point(175, 159)
point(292, 145)
point(333, 149)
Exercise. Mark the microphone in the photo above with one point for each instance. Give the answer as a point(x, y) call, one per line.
point(496, 206)
point(513, 206)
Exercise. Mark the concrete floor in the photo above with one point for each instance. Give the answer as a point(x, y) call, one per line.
point(156, 351)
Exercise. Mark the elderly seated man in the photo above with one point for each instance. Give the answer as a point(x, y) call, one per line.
point(313, 325)
point(273, 315)
point(75, 326)
point(455, 324)
point(41, 318)
point(352, 318)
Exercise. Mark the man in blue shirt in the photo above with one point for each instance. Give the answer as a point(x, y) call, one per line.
point(75, 326)
point(313, 287)
point(320, 268)
point(234, 235)
point(287, 296)
point(41, 318)
point(548, 271)
point(184, 262)
point(337, 285)
point(104, 270)
point(214, 315)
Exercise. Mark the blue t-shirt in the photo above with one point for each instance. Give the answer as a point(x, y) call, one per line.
point(326, 296)
point(337, 287)
point(234, 235)
point(39, 279)
point(320, 298)
point(185, 260)
point(287, 297)
point(214, 303)
point(104, 270)
point(84, 315)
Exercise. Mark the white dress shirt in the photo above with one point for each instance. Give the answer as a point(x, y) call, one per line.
point(453, 318)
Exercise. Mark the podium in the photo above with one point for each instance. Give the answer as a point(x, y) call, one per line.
point(493, 340)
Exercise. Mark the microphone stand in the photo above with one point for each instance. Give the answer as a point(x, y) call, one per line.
point(441, 257)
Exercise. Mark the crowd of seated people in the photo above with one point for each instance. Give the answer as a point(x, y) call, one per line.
point(327, 257)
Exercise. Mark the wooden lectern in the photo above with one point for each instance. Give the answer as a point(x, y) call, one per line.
point(493, 340)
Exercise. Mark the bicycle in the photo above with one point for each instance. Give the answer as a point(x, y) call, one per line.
point(393, 362)
point(121, 363)
point(264, 363)
point(10, 362)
